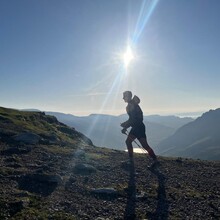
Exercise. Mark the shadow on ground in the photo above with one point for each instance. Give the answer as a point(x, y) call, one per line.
point(131, 195)
point(161, 212)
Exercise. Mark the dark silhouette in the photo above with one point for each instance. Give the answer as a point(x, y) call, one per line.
point(161, 212)
point(131, 195)
point(135, 121)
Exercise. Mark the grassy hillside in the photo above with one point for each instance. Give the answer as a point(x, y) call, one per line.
point(68, 178)
point(49, 129)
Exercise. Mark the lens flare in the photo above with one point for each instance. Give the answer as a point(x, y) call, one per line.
point(128, 56)
point(124, 59)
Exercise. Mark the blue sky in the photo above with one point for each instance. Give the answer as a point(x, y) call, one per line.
point(65, 55)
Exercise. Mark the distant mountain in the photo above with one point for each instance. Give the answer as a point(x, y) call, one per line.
point(170, 121)
point(31, 110)
point(105, 130)
point(197, 139)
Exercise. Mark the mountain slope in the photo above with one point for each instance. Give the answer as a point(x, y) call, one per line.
point(44, 129)
point(198, 139)
point(105, 130)
point(65, 177)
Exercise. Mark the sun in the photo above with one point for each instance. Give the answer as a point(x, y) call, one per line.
point(128, 56)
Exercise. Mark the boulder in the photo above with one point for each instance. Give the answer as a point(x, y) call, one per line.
point(84, 169)
point(17, 206)
point(48, 178)
point(27, 138)
point(79, 153)
point(106, 193)
point(43, 184)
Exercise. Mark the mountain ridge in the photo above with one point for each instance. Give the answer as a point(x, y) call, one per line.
point(105, 130)
point(197, 139)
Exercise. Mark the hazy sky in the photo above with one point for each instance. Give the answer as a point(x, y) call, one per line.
point(66, 55)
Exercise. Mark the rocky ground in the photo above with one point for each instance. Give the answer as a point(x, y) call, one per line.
point(50, 171)
point(50, 182)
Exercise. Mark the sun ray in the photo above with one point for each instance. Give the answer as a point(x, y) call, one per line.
point(146, 11)
point(128, 56)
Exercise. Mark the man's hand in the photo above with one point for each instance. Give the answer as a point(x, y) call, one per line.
point(123, 131)
point(123, 124)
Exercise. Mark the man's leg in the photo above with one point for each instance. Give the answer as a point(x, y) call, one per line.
point(128, 142)
point(146, 146)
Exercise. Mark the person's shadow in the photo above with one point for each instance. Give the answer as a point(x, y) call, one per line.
point(131, 195)
point(161, 212)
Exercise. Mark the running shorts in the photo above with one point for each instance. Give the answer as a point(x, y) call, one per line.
point(138, 131)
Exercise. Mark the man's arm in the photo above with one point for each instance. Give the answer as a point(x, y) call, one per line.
point(126, 124)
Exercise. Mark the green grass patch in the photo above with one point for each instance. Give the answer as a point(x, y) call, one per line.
point(40, 214)
point(186, 191)
point(96, 156)
point(58, 150)
point(35, 210)
point(6, 171)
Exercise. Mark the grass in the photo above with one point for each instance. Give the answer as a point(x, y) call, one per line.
point(152, 190)
point(58, 150)
point(36, 210)
point(96, 156)
point(186, 191)
point(191, 192)
point(33, 213)
point(7, 171)
point(38, 123)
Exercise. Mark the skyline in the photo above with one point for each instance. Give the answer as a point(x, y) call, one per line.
point(66, 56)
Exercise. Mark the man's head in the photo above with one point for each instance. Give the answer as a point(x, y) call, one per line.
point(127, 95)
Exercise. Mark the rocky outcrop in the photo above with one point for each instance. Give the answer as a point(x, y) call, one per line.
point(27, 138)
point(43, 184)
point(107, 193)
point(84, 169)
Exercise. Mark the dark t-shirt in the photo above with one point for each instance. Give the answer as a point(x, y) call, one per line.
point(135, 114)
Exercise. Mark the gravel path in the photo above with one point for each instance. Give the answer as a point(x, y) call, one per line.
point(176, 189)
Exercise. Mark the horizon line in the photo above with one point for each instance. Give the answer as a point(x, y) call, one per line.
point(191, 114)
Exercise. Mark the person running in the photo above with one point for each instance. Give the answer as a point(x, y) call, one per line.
point(135, 121)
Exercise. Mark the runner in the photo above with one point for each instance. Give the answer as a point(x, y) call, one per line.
point(135, 121)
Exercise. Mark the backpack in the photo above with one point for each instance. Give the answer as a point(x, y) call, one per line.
point(136, 100)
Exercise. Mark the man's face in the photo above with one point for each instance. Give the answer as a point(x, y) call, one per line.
point(126, 98)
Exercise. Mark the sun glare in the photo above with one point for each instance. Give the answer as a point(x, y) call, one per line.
point(128, 56)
